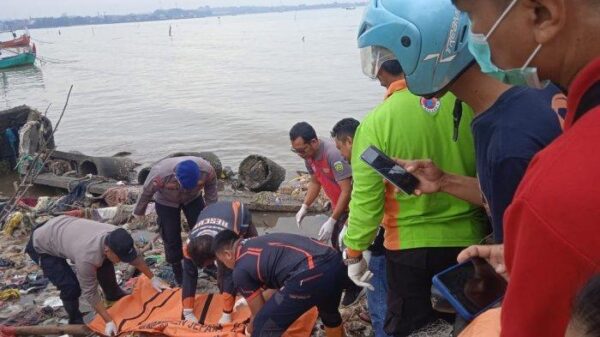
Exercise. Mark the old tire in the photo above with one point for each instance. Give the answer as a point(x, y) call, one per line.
point(259, 173)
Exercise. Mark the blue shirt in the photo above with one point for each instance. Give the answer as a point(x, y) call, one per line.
point(521, 123)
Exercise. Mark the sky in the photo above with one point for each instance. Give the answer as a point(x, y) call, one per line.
point(18, 9)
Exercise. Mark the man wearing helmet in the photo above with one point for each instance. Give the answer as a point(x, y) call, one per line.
point(551, 245)
point(512, 123)
point(422, 235)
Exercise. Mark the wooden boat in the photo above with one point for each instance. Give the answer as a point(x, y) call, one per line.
point(22, 41)
point(22, 59)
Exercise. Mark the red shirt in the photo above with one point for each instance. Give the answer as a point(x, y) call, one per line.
point(329, 167)
point(552, 228)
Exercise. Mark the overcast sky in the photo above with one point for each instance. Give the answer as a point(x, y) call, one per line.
point(16, 9)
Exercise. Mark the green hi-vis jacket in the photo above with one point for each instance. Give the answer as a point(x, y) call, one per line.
point(410, 127)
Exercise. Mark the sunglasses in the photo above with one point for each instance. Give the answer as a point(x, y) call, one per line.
point(303, 149)
point(297, 151)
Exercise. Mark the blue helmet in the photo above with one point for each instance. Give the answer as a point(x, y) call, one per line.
point(428, 38)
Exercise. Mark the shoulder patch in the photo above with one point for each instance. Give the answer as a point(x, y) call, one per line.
point(338, 166)
point(431, 105)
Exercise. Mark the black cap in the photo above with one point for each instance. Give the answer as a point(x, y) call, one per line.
point(121, 243)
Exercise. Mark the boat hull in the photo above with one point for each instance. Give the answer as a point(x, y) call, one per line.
point(23, 59)
point(22, 41)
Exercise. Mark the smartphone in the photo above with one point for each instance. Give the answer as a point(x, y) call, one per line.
point(471, 287)
point(390, 170)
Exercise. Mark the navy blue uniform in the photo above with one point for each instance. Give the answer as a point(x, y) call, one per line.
point(521, 123)
point(307, 273)
point(215, 218)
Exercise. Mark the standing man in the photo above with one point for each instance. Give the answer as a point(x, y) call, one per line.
point(94, 248)
point(176, 184)
point(343, 133)
point(512, 123)
point(551, 244)
point(198, 252)
point(328, 170)
point(300, 272)
point(423, 235)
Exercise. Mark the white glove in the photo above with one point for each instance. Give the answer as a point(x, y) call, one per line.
point(225, 318)
point(110, 329)
point(341, 245)
point(367, 256)
point(301, 214)
point(240, 303)
point(158, 284)
point(327, 229)
point(360, 274)
point(188, 315)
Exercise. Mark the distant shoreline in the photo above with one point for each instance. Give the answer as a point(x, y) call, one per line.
point(161, 15)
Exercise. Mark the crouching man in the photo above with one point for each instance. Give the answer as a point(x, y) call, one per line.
point(198, 252)
point(93, 247)
point(299, 271)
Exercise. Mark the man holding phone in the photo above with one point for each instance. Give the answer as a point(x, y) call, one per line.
point(422, 236)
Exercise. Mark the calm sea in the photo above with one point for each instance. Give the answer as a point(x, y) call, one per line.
point(233, 85)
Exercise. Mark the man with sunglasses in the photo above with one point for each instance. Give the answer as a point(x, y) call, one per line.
point(328, 170)
point(176, 185)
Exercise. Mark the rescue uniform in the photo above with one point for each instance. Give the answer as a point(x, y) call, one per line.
point(170, 199)
point(306, 272)
point(81, 241)
point(424, 234)
point(213, 219)
point(328, 167)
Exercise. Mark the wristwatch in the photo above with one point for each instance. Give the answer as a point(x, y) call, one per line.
point(350, 260)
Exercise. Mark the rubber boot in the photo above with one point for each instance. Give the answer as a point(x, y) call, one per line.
point(335, 332)
point(178, 272)
point(72, 309)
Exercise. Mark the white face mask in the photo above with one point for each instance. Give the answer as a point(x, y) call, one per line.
point(480, 49)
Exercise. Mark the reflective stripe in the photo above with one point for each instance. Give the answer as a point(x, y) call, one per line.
point(309, 257)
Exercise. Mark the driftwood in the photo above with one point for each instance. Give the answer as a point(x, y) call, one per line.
point(47, 330)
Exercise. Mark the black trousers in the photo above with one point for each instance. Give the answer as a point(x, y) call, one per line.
point(58, 271)
point(169, 224)
point(321, 287)
point(409, 274)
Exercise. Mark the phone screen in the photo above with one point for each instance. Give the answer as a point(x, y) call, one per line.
point(474, 284)
point(388, 168)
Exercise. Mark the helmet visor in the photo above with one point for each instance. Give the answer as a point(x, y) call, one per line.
point(372, 57)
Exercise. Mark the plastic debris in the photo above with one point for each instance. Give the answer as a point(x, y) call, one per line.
point(53, 302)
point(13, 223)
point(6, 263)
point(9, 294)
